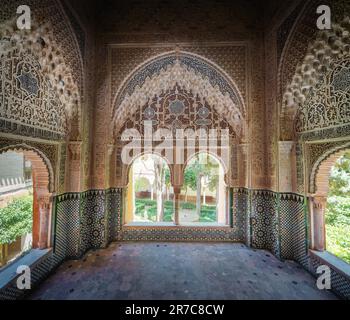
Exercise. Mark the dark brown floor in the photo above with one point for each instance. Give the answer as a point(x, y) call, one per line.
point(180, 271)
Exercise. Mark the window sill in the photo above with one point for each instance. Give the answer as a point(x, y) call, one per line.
point(333, 262)
point(9, 273)
point(173, 225)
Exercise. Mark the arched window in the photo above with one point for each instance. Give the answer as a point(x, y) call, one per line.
point(203, 195)
point(16, 206)
point(337, 216)
point(25, 203)
point(150, 195)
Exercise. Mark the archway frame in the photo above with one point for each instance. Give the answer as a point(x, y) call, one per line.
point(230, 93)
point(224, 170)
point(321, 170)
point(44, 186)
point(129, 195)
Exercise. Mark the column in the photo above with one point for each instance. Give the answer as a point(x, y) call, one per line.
point(287, 165)
point(44, 206)
point(111, 167)
point(130, 199)
point(74, 166)
point(221, 205)
point(242, 164)
point(177, 182)
point(318, 232)
point(177, 192)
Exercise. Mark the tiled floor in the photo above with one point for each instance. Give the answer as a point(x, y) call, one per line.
point(179, 271)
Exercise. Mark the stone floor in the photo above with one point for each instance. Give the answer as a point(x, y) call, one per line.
point(179, 271)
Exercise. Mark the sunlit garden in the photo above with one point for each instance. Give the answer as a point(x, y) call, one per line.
point(200, 197)
point(338, 210)
point(16, 221)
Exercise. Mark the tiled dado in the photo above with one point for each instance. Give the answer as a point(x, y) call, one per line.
point(340, 283)
point(86, 221)
point(260, 218)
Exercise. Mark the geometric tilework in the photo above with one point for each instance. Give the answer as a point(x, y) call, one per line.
point(339, 284)
point(264, 221)
point(240, 214)
point(293, 228)
point(39, 272)
point(261, 218)
point(177, 234)
point(94, 222)
point(113, 206)
point(68, 224)
point(86, 221)
point(94, 218)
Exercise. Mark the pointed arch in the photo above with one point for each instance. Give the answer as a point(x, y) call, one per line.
point(42, 165)
point(191, 72)
point(40, 45)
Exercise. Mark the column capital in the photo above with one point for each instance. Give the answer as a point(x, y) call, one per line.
point(244, 147)
point(319, 201)
point(44, 201)
point(286, 146)
point(110, 149)
point(74, 148)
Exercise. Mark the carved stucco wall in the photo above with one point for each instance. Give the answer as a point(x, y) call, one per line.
point(312, 106)
point(235, 47)
point(314, 86)
point(81, 15)
point(62, 43)
point(120, 60)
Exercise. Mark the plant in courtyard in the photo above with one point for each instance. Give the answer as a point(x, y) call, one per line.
point(338, 210)
point(141, 184)
point(16, 219)
point(202, 171)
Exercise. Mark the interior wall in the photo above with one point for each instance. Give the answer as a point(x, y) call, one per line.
point(304, 117)
point(260, 56)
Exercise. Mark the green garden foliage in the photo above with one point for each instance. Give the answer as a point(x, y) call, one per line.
point(208, 213)
point(16, 219)
point(150, 207)
point(338, 210)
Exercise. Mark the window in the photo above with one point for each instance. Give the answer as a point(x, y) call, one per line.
point(16, 206)
point(338, 209)
point(150, 194)
point(203, 196)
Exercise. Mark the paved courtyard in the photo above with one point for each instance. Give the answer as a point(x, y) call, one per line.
point(130, 270)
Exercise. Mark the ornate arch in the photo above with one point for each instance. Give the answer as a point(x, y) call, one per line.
point(39, 161)
point(39, 48)
point(190, 72)
point(211, 154)
point(304, 68)
point(320, 172)
point(155, 153)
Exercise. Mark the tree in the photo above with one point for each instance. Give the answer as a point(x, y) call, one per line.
point(199, 168)
point(159, 181)
point(339, 181)
point(338, 209)
point(141, 184)
point(16, 219)
point(167, 182)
